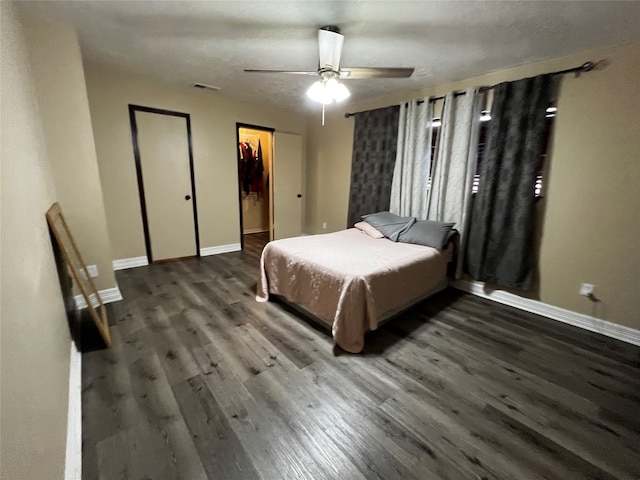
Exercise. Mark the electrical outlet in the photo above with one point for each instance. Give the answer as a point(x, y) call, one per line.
point(92, 270)
point(324, 225)
point(586, 289)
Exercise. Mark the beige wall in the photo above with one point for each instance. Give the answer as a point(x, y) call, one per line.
point(591, 229)
point(255, 209)
point(328, 172)
point(64, 107)
point(213, 121)
point(35, 340)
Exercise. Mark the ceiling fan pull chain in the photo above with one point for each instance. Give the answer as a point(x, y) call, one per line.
point(323, 114)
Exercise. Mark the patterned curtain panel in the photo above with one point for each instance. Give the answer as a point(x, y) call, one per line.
point(455, 164)
point(411, 173)
point(375, 141)
point(500, 242)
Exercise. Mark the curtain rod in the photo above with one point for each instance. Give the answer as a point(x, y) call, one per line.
point(585, 67)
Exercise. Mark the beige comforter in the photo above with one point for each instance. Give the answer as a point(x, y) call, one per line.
point(349, 279)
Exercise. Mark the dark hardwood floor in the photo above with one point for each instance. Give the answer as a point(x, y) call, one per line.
point(203, 382)
point(253, 243)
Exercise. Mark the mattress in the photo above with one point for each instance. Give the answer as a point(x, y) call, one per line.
point(350, 280)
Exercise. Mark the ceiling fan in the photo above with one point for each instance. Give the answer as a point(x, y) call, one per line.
point(328, 89)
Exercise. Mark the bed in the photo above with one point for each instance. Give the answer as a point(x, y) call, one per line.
point(350, 281)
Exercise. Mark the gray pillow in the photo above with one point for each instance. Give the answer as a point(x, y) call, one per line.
point(389, 224)
point(426, 232)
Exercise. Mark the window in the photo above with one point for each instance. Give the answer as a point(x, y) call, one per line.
point(485, 119)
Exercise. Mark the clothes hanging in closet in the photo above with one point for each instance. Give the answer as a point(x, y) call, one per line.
point(247, 165)
point(258, 185)
point(251, 169)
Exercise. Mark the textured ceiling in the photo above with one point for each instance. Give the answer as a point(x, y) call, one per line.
point(212, 42)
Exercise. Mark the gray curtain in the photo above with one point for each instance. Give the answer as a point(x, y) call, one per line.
point(411, 173)
point(375, 139)
point(500, 242)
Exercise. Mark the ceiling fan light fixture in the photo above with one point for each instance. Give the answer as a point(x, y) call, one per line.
point(341, 93)
point(316, 92)
point(328, 91)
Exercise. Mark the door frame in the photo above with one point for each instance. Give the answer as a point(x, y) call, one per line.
point(136, 153)
point(240, 125)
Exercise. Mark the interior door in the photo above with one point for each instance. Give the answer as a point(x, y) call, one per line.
point(165, 167)
point(287, 185)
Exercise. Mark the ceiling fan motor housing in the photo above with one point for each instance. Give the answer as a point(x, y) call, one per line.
point(330, 42)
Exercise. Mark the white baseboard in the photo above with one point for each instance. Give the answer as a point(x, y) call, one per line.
point(107, 295)
point(73, 460)
point(130, 263)
point(254, 230)
point(232, 247)
point(586, 322)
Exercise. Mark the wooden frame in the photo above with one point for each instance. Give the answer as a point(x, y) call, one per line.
point(78, 269)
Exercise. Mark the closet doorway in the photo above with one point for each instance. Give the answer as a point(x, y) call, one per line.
point(255, 181)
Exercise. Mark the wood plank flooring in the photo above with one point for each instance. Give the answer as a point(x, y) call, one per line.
point(253, 243)
point(203, 382)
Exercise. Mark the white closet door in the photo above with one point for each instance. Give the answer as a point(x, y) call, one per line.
point(166, 174)
point(287, 185)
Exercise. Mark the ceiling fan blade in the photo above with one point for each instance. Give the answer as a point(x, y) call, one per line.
point(291, 72)
point(359, 73)
point(330, 42)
